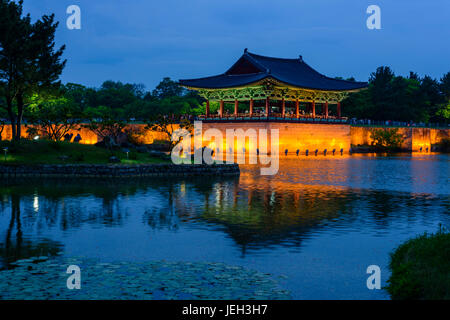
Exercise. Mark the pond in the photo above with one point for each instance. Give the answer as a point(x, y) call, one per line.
point(319, 223)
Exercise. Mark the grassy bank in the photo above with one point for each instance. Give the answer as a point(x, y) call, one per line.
point(50, 152)
point(421, 268)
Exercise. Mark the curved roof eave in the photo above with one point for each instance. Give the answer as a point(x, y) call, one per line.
point(294, 73)
point(191, 83)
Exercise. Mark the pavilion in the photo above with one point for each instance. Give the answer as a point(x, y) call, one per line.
point(274, 89)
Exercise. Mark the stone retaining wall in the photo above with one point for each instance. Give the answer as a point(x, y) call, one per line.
point(117, 171)
point(414, 138)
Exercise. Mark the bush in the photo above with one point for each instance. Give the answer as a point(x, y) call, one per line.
point(421, 268)
point(386, 138)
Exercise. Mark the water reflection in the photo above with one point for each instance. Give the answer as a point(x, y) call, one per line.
point(15, 246)
point(310, 202)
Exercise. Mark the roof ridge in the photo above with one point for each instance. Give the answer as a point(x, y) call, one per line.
point(272, 58)
point(223, 74)
point(289, 71)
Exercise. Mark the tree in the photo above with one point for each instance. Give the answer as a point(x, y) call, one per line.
point(3, 115)
point(391, 97)
point(54, 118)
point(14, 30)
point(169, 125)
point(444, 86)
point(105, 125)
point(29, 62)
point(78, 94)
point(386, 138)
point(168, 88)
point(443, 112)
point(2, 127)
point(201, 108)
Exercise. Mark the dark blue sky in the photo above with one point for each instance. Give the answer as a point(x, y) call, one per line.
point(142, 41)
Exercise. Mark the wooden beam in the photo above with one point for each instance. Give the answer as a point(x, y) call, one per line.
point(267, 107)
point(251, 107)
point(236, 105)
point(339, 109)
point(207, 108)
point(297, 108)
point(283, 107)
point(313, 104)
point(326, 109)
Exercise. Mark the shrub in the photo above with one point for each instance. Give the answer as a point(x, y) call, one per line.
point(386, 138)
point(421, 268)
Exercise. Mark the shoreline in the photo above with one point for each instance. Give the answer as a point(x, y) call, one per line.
point(116, 170)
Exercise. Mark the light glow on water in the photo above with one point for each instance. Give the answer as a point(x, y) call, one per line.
point(320, 221)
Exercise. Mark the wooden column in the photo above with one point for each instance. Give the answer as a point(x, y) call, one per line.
point(326, 109)
point(221, 109)
point(207, 108)
point(251, 107)
point(313, 104)
point(267, 106)
point(283, 107)
point(339, 109)
point(297, 108)
point(236, 105)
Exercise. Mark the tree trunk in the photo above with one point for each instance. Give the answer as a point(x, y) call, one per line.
point(12, 117)
point(19, 116)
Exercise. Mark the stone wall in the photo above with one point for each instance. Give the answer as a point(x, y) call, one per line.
point(117, 171)
point(414, 138)
point(292, 136)
point(89, 137)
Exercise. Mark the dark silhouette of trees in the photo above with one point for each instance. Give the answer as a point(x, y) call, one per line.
point(391, 97)
point(29, 62)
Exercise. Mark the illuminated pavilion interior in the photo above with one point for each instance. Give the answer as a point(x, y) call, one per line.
point(266, 88)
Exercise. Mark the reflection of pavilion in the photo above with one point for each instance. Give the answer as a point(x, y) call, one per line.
point(258, 216)
point(274, 89)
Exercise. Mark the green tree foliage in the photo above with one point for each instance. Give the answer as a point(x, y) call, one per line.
point(420, 268)
point(386, 138)
point(29, 62)
point(104, 124)
point(167, 88)
point(397, 98)
point(201, 109)
point(130, 101)
point(168, 125)
point(54, 117)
